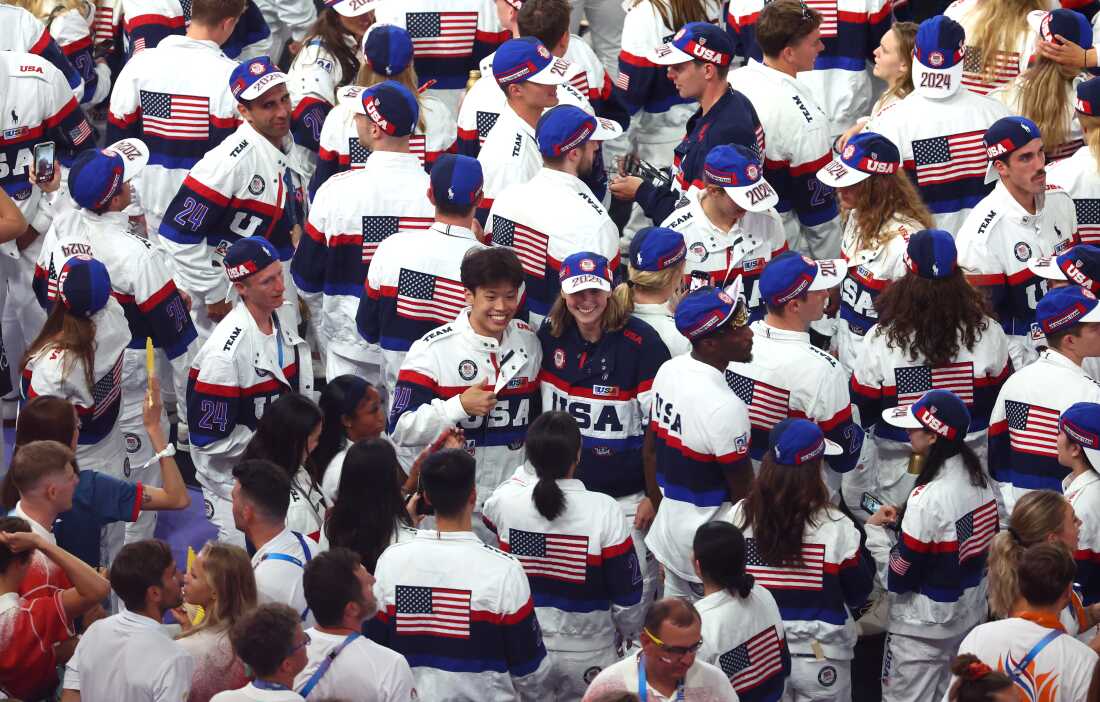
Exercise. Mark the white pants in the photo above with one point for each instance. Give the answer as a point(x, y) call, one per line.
point(572, 671)
point(136, 440)
point(219, 512)
point(337, 365)
point(915, 669)
point(675, 586)
point(651, 571)
point(822, 679)
point(605, 27)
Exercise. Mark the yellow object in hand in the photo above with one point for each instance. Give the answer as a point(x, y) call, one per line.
point(196, 612)
point(149, 359)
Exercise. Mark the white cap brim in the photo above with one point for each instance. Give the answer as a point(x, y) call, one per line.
point(952, 78)
point(1046, 267)
point(1093, 455)
point(556, 72)
point(826, 279)
point(584, 281)
point(902, 417)
point(758, 197)
point(668, 55)
point(606, 130)
point(1035, 20)
point(355, 8)
point(261, 86)
point(350, 94)
point(838, 174)
point(134, 153)
point(1092, 316)
point(832, 448)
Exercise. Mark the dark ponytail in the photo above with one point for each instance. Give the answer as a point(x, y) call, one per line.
point(938, 455)
point(553, 442)
point(720, 549)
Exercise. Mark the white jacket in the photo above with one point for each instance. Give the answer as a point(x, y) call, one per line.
point(462, 615)
point(798, 144)
point(353, 213)
point(446, 361)
point(544, 220)
point(744, 637)
point(582, 566)
point(1079, 175)
point(1083, 492)
point(509, 154)
point(659, 316)
point(233, 378)
point(996, 242)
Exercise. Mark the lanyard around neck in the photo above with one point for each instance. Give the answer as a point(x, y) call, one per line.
point(643, 688)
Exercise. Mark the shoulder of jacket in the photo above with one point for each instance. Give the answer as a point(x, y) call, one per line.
point(237, 146)
point(494, 551)
point(823, 357)
point(640, 332)
point(225, 340)
point(981, 222)
point(438, 334)
point(26, 65)
point(679, 217)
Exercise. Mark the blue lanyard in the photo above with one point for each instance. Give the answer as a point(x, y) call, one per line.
point(326, 664)
point(1039, 646)
point(643, 688)
point(265, 685)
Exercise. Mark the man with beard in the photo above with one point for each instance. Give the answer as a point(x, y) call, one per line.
point(1021, 219)
point(697, 447)
point(555, 214)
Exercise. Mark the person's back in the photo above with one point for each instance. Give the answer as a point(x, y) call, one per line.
point(459, 611)
point(129, 655)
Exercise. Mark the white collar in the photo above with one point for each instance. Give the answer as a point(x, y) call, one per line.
point(1057, 358)
point(762, 328)
point(713, 601)
point(276, 540)
point(653, 309)
point(458, 536)
point(394, 158)
point(1071, 485)
point(1013, 208)
point(453, 230)
point(478, 341)
point(37, 528)
point(140, 621)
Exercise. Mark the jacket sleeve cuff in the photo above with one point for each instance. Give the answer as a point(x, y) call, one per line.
point(453, 410)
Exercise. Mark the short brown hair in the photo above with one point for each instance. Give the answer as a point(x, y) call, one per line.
point(212, 12)
point(264, 637)
point(783, 23)
point(545, 20)
point(675, 609)
point(138, 567)
point(36, 460)
point(1046, 571)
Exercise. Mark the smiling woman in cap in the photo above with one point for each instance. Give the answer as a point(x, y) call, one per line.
point(598, 363)
point(883, 210)
point(791, 529)
point(936, 570)
point(78, 357)
point(932, 323)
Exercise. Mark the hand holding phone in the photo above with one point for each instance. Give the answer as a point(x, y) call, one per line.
point(44, 162)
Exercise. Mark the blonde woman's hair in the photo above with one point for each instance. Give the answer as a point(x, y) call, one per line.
point(999, 24)
point(878, 199)
point(615, 316)
point(1091, 127)
point(36, 8)
point(677, 13)
point(229, 575)
point(906, 34)
point(367, 77)
point(1044, 99)
point(649, 281)
point(1037, 515)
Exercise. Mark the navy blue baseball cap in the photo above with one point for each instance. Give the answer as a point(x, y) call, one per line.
point(938, 50)
point(388, 48)
point(707, 309)
point(866, 154)
point(1005, 136)
point(1081, 425)
point(526, 59)
point(247, 257)
point(931, 253)
point(391, 106)
point(656, 248)
point(790, 275)
point(457, 180)
point(1068, 23)
point(584, 271)
point(737, 170)
point(254, 77)
point(1080, 266)
point(695, 40)
point(565, 127)
point(795, 442)
point(1063, 308)
point(941, 412)
point(97, 176)
point(83, 286)
point(1087, 100)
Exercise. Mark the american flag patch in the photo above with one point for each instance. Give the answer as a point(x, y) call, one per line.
point(529, 244)
point(139, 45)
point(442, 34)
point(428, 298)
point(433, 611)
point(107, 390)
point(914, 381)
point(622, 81)
point(580, 82)
point(377, 229)
point(1088, 220)
point(898, 564)
point(754, 661)
point(976, 530)
point(556, 556)
point(804, 576)
point(80, 132)
point(1032, 429)
point(184, 117)
point(1005, 68)
point(485, 123)
point(946, 159)
point(768, 405)
point(357, 153)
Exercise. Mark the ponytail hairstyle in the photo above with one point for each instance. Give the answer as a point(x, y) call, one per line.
point(653, 282)
point(975, 681)
point(553, 446)
point(719, 548)
point(1037, 516)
